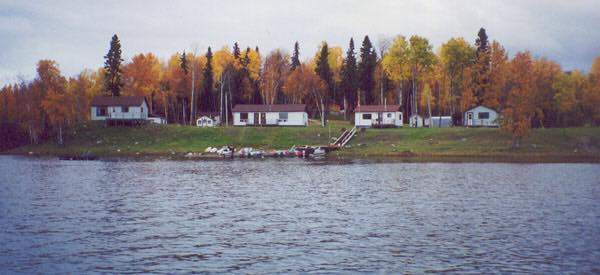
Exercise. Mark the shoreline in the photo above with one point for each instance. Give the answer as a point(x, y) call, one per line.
point(344, 157)
point(397, 144)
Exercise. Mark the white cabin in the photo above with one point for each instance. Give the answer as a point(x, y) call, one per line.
point(270, 115)
point(481, 116)
point(416, 121)
point(119, 108)
point(380, 116)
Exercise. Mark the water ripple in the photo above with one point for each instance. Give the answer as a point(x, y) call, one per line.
point(296, 216)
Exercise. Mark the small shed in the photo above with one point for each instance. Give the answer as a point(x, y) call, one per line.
point(438, 122)
point(481, 116)
point(157, 120)
point(205, 121)
point(416, 121)
point(379, 116)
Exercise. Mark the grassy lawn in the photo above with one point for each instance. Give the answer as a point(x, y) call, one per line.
point(166, 139)
point(475, 142)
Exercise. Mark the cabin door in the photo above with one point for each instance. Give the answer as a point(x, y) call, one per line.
point(380, 118)
point(469, 119)
point(255, 119)
point(263, 118)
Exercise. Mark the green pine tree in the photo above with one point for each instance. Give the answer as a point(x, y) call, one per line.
point(236, 51)
point(481, 42)
point(184, 63)
point(206, 100)
point(296, 56)
point(366, 71)
point(482, 65)
point(322, 69)
point(246, 60)
point(112, 68)
point(349, 77)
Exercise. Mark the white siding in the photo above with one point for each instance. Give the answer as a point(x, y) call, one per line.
point(116, 112)
point(205, 121)
point(491, 121)
point(294, 119)
point(237, 121)
point(434, 121)
point(395, 118)
point(360, 122)
point(272, 118)
point(416, 119)
point(94, 116)
point(157, 120)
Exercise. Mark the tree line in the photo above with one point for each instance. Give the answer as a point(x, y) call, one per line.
point(529, 91)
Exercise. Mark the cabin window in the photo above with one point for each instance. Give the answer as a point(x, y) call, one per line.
point(484, 115)
point(142, 110)
point(283, 116)
point(125, 109)
point(389, 115)
point(243, 116)
point(100, 111)
point(366, 116)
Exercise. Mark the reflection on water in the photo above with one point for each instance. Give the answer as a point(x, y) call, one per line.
point(277, 216)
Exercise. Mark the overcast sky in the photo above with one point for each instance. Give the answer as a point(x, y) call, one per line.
point(77, 33)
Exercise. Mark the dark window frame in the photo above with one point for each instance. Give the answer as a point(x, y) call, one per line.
point(367, 116)
point(243, 116)
point(100, 111)
point(483, 115)
point(283, 116)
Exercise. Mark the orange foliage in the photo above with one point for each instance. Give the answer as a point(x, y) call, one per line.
point(142, 77)
point(468, 98)
point(519, 108)
point(498, 76)
point(296, 87)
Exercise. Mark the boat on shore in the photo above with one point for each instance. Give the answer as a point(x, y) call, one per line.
point(320, 152)
point(249, 152)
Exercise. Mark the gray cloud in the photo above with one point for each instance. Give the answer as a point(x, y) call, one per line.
point(76, 33)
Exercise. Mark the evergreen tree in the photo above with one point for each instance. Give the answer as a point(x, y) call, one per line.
point(184, 63)
point(322, 69)
point(349, 77)
point(481, 42)
point(206, 100)
point(482, 72)
point(296, 56)
point(246, 60)
point(236, 51)
point(324, 72)
point(112, 68)
point(257, 94)
point(366, 70)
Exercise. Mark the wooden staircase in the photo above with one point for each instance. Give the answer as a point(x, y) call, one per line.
point(344, 138)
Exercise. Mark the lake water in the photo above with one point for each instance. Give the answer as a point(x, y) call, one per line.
point(282, 216)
